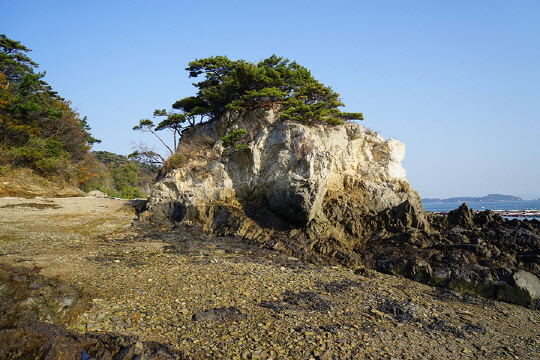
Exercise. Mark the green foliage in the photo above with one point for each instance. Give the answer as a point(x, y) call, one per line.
point(86, 128)
point(119, 176)
point(38, 129)
point(111, 158)
point(234, 141)
point(233, 137)
point(126, 180)
point(15, 63)
point(243, 86)
point(48, 156)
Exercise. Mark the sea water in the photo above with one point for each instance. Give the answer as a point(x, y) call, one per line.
point(486, 205)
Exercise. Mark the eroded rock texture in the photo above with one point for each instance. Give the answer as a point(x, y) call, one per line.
point(294, 187)
point(479, 253)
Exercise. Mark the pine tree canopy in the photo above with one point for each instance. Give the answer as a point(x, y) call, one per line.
point(38, 129)
point(243, 86)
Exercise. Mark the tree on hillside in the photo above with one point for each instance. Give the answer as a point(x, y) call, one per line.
point(121, 177)
point(38, 128)
point(86, 128)
point(174, 122)
point(242, 86)
point(13, 59)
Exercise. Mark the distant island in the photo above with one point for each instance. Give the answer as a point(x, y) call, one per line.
point(488, 198)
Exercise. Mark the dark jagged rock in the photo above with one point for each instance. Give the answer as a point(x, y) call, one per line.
point(478, 253)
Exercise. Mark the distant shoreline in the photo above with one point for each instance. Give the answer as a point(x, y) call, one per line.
point(488, 198)
point(507, 213)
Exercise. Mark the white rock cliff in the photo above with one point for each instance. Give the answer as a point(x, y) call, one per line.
point(291, 170)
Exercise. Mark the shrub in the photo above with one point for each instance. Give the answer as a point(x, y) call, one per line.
point(44, 155)
point(175, 161)
point(233, 137)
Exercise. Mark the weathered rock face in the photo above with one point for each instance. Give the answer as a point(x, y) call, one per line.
point(472, 253)
point(338, 183)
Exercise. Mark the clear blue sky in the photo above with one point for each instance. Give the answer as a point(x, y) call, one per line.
point(457, 81)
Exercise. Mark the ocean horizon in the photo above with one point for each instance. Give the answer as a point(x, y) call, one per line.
point(484, 205)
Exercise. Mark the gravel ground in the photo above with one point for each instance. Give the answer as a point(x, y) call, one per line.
point(214, 297)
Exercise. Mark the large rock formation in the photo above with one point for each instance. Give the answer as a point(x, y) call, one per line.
point(338, 194)
point(294, 187)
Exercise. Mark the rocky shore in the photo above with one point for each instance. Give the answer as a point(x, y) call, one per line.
point(302, 242)
point(339, 195)
point(77, 281)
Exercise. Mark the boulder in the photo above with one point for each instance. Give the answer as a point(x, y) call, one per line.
point(514, 286)
point(415, 269)
point(97, 194)
point(474, 280)
point(522, 289)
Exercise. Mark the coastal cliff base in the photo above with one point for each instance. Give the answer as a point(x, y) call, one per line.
point(316, 192)
point(338, 195)
point(136, 293)
point(478, 253)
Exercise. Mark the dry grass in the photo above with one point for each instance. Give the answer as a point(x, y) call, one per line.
point(370, 131)
point(189, 149)
point(303, 147)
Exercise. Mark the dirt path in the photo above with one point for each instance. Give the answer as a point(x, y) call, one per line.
point(221, 298)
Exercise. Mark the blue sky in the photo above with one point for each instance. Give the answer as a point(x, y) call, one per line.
point(457, 81)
